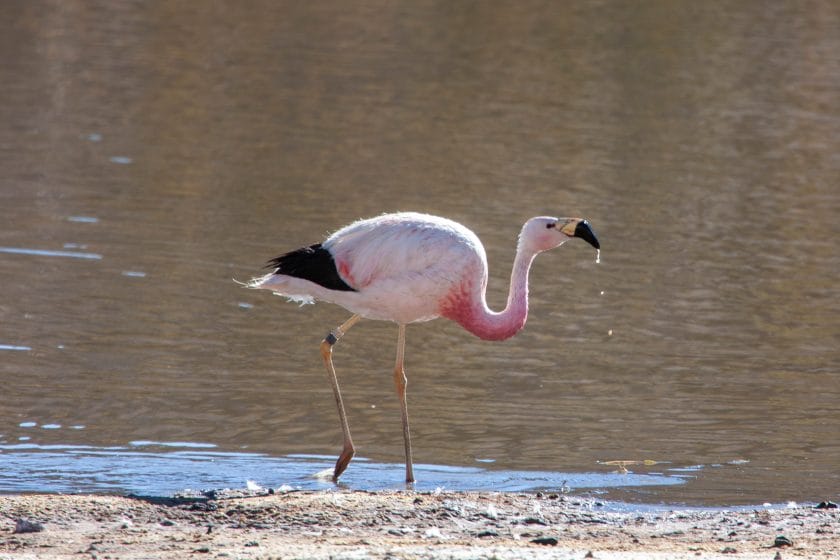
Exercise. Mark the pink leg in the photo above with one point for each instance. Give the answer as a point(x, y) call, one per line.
point(401, 381)
point(348, 450)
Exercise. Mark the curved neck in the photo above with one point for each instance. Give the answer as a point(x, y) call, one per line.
point(485, 323)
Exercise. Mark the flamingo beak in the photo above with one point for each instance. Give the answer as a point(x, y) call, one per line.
point(582, 229)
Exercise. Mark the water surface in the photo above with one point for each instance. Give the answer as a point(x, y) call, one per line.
point(152, 153)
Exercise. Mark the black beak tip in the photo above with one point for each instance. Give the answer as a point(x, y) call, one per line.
point(584, 231)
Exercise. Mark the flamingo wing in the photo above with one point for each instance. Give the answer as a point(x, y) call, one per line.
point(313, 263)
point(407, 248)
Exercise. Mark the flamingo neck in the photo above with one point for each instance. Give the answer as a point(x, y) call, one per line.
point(472, 312)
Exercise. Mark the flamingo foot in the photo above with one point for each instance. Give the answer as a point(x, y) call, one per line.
point(343, 461)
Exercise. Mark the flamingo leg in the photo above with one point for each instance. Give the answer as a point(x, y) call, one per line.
point(327, 344)
point(401, 381)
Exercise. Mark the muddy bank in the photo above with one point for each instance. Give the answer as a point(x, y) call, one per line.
point(344, 524)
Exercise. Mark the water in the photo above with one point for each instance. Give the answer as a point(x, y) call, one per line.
point(152, 154)
point(166, 468)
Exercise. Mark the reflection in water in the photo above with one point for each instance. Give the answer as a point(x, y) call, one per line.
point(700, 140)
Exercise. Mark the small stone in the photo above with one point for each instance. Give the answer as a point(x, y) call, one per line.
point(484, 534)
point(729, 550)
point(26, 526)
point(546, 541)
point(778, 556)
point(589, 555)
point(782, 541)
point(826, 505)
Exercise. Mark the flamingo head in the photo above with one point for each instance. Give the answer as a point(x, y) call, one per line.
point(544, 233)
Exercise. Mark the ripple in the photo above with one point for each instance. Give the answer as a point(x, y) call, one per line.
point(48, 253)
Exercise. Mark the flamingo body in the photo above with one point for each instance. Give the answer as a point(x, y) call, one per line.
point(406, 268)
point(398, 267)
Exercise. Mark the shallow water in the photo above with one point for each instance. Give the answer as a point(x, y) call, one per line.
point(151, 154)
point(156, 468)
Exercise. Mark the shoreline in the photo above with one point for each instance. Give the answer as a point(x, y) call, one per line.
point(401, 524)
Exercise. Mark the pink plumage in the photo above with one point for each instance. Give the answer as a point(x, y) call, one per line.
point(410, 267)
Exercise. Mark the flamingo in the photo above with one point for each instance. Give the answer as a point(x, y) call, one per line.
point(406, 268)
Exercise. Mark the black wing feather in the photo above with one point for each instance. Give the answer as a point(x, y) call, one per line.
point(313, 263)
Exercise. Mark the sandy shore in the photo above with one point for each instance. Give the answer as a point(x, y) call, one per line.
point(394, 525)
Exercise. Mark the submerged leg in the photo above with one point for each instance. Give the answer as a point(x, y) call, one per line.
point(326, 352)
point(401, 381)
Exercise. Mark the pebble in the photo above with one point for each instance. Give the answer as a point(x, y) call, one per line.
point(26, 526)
point(484, 534)
point(781, 541)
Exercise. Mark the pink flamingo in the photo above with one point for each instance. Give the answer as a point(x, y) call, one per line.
point(407, 268)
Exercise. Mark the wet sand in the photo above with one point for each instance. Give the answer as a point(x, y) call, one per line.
point(352, 524)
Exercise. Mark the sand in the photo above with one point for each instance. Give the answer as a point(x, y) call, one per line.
point(394, 525)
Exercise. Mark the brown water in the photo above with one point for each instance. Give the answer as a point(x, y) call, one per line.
point(154, 152)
